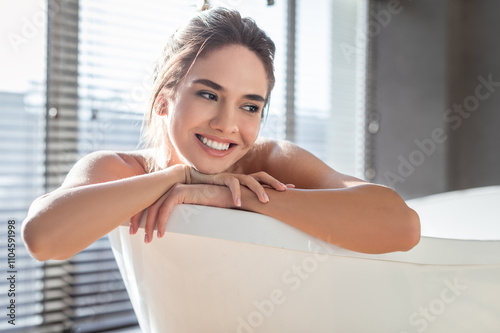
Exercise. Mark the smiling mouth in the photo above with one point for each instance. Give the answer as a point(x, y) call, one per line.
point(221, 146)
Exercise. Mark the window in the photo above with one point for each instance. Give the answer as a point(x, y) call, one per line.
point(22, 98)
point(91, 96)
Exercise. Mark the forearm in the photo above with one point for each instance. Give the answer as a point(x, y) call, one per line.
point(68, 220)
point(366, 218)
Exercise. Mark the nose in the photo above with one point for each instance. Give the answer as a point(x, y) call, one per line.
point(225, 119)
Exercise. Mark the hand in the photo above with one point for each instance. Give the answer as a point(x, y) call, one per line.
point(199, 194)
point(254, 182)
point(228, 181)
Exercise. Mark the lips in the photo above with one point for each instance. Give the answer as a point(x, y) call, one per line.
point(213, 143)
point(215, 146)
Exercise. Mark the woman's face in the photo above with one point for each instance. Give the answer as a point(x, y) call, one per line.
point(214, 117)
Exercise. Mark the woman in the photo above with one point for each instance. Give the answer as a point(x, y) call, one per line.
point(200, 133)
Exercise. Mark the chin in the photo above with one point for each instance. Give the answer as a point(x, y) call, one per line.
point(209, 168)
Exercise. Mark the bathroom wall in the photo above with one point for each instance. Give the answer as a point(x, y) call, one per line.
point(427, 57)
point(474, 50)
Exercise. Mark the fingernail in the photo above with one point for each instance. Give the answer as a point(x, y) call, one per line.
point(238, 202)
point(283, 186)
point(146, 239)
point(159, 234)
point(131, 231)
point(266, 197)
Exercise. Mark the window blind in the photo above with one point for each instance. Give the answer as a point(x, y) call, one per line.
point(22, 98)
point(330, 82)
point(21, 180)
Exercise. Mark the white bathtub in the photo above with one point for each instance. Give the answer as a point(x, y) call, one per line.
point(219, 270)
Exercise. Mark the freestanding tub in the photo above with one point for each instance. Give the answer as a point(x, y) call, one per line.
point(220, 270)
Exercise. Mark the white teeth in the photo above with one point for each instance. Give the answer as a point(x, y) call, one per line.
point(214, 144)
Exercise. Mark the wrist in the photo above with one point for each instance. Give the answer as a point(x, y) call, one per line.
point(179, 172)
point(250, 201)
point(187, 173)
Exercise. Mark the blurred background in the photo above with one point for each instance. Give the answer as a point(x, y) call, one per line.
point(401, 93)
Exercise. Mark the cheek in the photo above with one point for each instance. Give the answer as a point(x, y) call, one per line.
point(174, 129)
point(178, 118)
point(250, 130)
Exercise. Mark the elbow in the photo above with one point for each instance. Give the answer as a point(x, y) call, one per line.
point(410, 233)
point(34, 243)
point(31, 241)
point(31, 234)
point(38, 245)
point(404, 226)
point(41, 241)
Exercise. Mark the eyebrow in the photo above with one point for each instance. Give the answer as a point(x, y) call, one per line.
point(218, 87)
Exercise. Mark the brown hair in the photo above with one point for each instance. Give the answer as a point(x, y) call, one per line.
point(208, 31)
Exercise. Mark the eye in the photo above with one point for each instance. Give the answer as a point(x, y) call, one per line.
point(251, 108)
point(207, 95)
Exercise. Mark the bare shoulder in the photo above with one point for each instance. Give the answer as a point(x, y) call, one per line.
point(256, 158)
point(272, 156)
point(272, 152)
point(103, 166)
point(280, 154)
point(290, 163)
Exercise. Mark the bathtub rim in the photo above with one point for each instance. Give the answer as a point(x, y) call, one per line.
point(460, 205)
point(246, 227)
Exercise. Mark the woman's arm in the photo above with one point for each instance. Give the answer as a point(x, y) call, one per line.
point(102, 191)
point(337, 208)
point(105, 189)
point(363, 218)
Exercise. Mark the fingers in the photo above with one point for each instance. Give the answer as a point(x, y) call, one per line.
point(255, 187)
point(265, 178)
point(195, 177)
point(159, 212)
point(234, 185)
point(254, 182)
point(163, 215)
point(152, 217)
point(134, 222)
